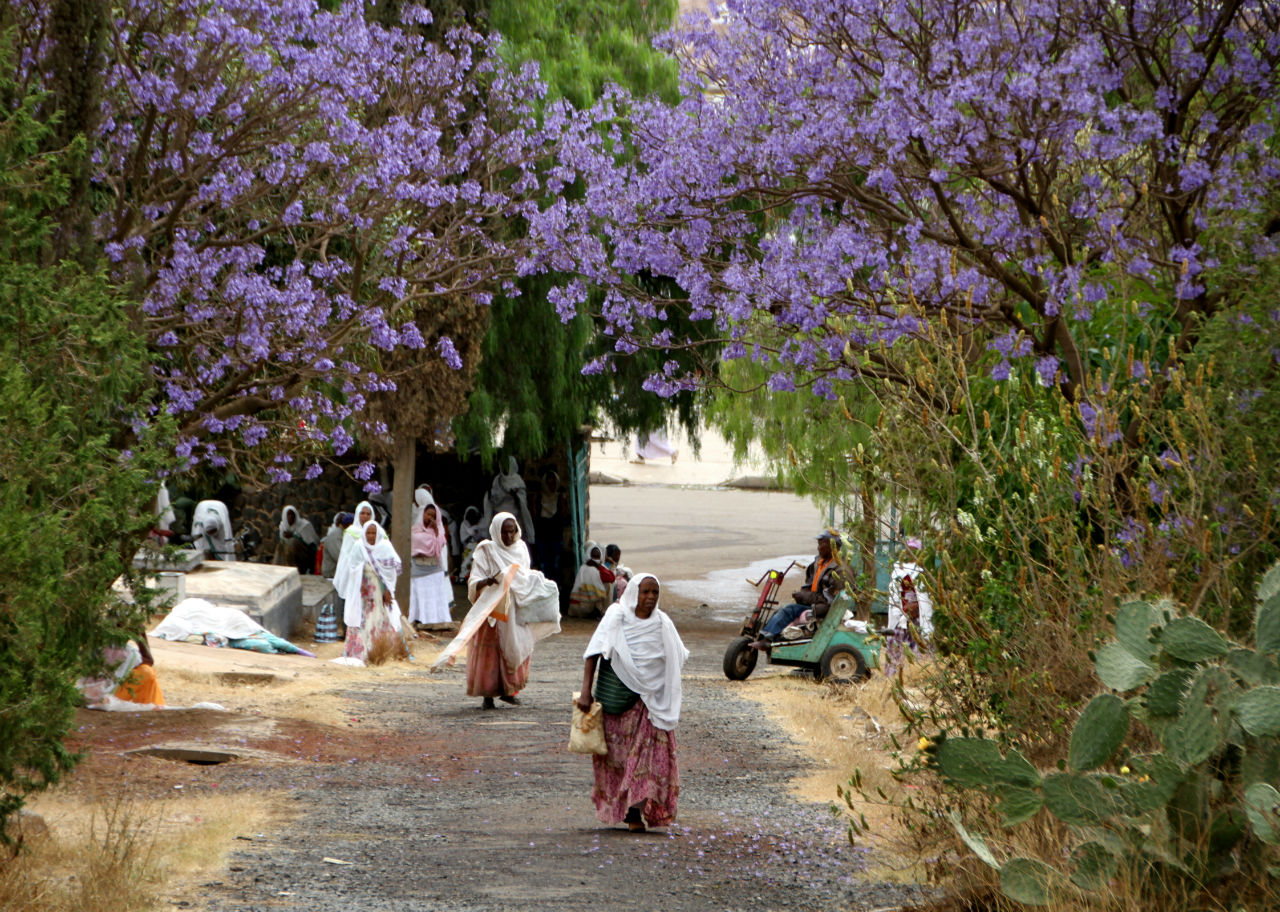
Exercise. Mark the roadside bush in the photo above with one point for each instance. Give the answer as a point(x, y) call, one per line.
point(1168, 790)
point(71, 368)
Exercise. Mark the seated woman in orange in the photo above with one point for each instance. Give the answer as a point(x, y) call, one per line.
point(140, 683)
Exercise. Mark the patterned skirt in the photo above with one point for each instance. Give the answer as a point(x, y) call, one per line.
point(377, 638)
point(640, 769)
point(487, 674)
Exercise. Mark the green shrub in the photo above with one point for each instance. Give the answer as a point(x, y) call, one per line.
point(1199, 817)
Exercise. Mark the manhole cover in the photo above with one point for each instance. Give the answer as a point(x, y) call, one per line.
point(185, 755)
point(234, 678)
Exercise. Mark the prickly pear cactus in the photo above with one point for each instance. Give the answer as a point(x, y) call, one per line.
point(1206, 808)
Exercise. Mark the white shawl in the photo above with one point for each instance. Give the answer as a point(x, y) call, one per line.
point(351, 561)
point(386, 564)
point(301, 528)
point(647, 655)
point(212, 524)
point(525, 605)
point(508, 494)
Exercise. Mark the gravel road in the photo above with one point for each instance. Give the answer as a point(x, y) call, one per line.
point(434, 804)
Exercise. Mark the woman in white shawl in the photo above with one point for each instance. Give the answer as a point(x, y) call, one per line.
point(590, 594)
point(371, 614)
point(297, 542)
point(351, 558)
point(508, 495)
point(211, 530)
point(639, 655)
point(512, 606)
point(429, 589)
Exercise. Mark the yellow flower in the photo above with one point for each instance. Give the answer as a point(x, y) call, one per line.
point(924, 744)
point(1124, 771)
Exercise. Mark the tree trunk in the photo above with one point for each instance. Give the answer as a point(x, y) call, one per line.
point(406, 455)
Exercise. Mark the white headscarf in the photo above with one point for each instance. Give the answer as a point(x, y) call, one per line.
point(301, 528)
point(212, 523)
point(515, 553)
point(421, 498)
point(587, 575)
point(471, 531)
point(381, 554)
point(646, 654)
point(386, 564)
point(351, 558)
point(508, 492)
point(164, 507)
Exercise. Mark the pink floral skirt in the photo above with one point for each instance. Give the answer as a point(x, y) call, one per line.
point(487, 674)
point(640, 769)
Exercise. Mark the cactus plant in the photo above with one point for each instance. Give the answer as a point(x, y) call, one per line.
point(1204, 809)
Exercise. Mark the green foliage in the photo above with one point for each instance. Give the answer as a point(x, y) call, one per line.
point(70, 366)
point(583, 47)
point(1200, 818)
point(529, 383)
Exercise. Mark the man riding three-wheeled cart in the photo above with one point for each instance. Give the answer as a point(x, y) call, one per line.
point(817, 631)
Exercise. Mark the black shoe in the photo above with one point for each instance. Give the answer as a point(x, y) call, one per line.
point(487, 704)
point(762, 644)
point(514, 701)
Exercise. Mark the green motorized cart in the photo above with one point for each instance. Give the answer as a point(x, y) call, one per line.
point(834, 652)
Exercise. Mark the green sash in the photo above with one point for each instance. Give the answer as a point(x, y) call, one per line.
point(614, 696)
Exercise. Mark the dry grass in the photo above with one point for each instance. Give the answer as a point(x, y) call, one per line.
point(108, 854)
point(315, 694)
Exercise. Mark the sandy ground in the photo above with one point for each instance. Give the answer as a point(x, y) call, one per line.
point(389, 789)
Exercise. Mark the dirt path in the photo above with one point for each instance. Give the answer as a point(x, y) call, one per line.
point(437, 805)
point(432, 804)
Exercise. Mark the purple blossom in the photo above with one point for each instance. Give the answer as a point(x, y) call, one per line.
point(450, 354)
point(279, 151)
point(927, 113)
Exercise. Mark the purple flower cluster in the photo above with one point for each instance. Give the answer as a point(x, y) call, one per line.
point(840, 172)
point(288, 185)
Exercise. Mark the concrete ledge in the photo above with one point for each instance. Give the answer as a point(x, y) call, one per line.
point(270, 595)
point(755, 483)
point(603, 478)
point(316, 592)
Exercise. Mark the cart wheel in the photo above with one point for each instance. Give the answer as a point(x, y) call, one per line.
point(739, 659)
point(842, 664)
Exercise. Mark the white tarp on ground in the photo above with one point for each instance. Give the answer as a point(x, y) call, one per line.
point(196, 617)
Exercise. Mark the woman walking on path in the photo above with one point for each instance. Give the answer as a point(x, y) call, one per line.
point(512, 606)
point(639, 656)
point(429, 589)
point(374, 631)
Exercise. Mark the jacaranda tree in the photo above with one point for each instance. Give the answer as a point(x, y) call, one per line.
point(842, 173)
point(221, 217)
point(283, 188)
point(1005, 223)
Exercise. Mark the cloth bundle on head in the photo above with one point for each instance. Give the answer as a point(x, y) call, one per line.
point(647, 654)
point(301, 528)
